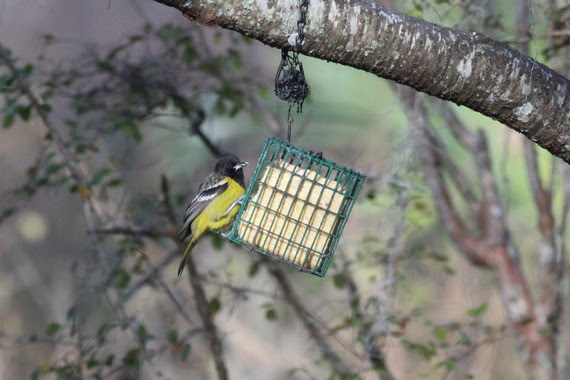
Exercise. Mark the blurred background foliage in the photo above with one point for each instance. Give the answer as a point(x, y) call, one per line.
point(137, 92)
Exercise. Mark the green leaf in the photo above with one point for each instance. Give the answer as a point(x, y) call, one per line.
point(6, 213)
point(172, 336)
point(438, 257)
point(115, 182)
point(271, 314)
point(235, 59)
point(46, 107)
point(27, 70)
point(352, 321)
point(215, 305)
point(478, 311)
point(102, 332)
point(143, 334)
point(426, 351)
point(53, 328)
point(132, 359)
point(8, 121)
point(65, 372)
point(220, 107)
point(25, 112)
point(218, 242)
point(54, 168)
point(70, 123)
point(545, 331)
point(92, 362)
point(185, 352)
point(190, 54)
point(71, 313)
point(131, 129)
point(440, 333)
point(99, 176)
point(464, 340)
point(447, 364)
point(253, 269)
point(109, 360)
point(338, 281)
point(122, 278)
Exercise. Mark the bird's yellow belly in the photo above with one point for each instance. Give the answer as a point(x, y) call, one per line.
point(216, 216)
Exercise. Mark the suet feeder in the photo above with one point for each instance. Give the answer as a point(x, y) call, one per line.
point(296, 206)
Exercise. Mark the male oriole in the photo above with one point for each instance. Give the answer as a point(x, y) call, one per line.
point(213, 209)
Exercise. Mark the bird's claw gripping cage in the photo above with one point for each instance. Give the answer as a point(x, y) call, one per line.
point(296, 206)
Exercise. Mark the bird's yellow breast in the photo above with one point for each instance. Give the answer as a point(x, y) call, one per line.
point(216, 216)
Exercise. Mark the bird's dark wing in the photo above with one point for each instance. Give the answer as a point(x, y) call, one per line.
point(214, 185)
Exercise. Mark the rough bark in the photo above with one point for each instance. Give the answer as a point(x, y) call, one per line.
point(468, 69)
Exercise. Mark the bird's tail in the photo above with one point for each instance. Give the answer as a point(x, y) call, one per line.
point(186, 253)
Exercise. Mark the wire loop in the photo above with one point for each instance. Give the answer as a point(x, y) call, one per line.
point(290, 83)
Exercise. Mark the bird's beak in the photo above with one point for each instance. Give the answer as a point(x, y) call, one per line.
point(241, 165)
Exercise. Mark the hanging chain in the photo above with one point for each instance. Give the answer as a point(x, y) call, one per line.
point(300, 38)
point(290, 121)
point(290, 83)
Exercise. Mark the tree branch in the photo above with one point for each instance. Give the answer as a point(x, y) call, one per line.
point(466, 68)
point(364, 333)
point(151, 232)
point(206, 317)
point(306, 318)
point(493, 247)
point(68, 158)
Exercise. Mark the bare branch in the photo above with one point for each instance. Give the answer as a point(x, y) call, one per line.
point(200, 297)
point(68, 158)
point(431, 159)
point(149, 275)
point(90, 206)
point(206, 317)
point(195, 130)
point(306, 318)
point(493, 248)
point(151, 232)
point(165, 190)
point(364, 333)
point(549, 35)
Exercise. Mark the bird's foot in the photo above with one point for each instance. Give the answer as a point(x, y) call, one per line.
point(238, 201)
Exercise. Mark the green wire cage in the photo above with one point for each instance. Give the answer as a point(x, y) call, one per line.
point(296, 206)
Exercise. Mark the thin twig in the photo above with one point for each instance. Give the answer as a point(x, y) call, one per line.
point(86, 196)
point(206, 317)
point(196, 130)
point(165, 189)
point(493, 247)
point(151, 232)
point(431, 158)
point(200, 297)
point(150, 274)
point(549, 35)
point(306, 318)
point(68, 158)
point(364, 333)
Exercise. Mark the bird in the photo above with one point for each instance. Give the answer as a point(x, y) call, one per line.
point(214, 207)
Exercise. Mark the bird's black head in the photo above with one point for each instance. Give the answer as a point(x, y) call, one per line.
point(231, 166)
